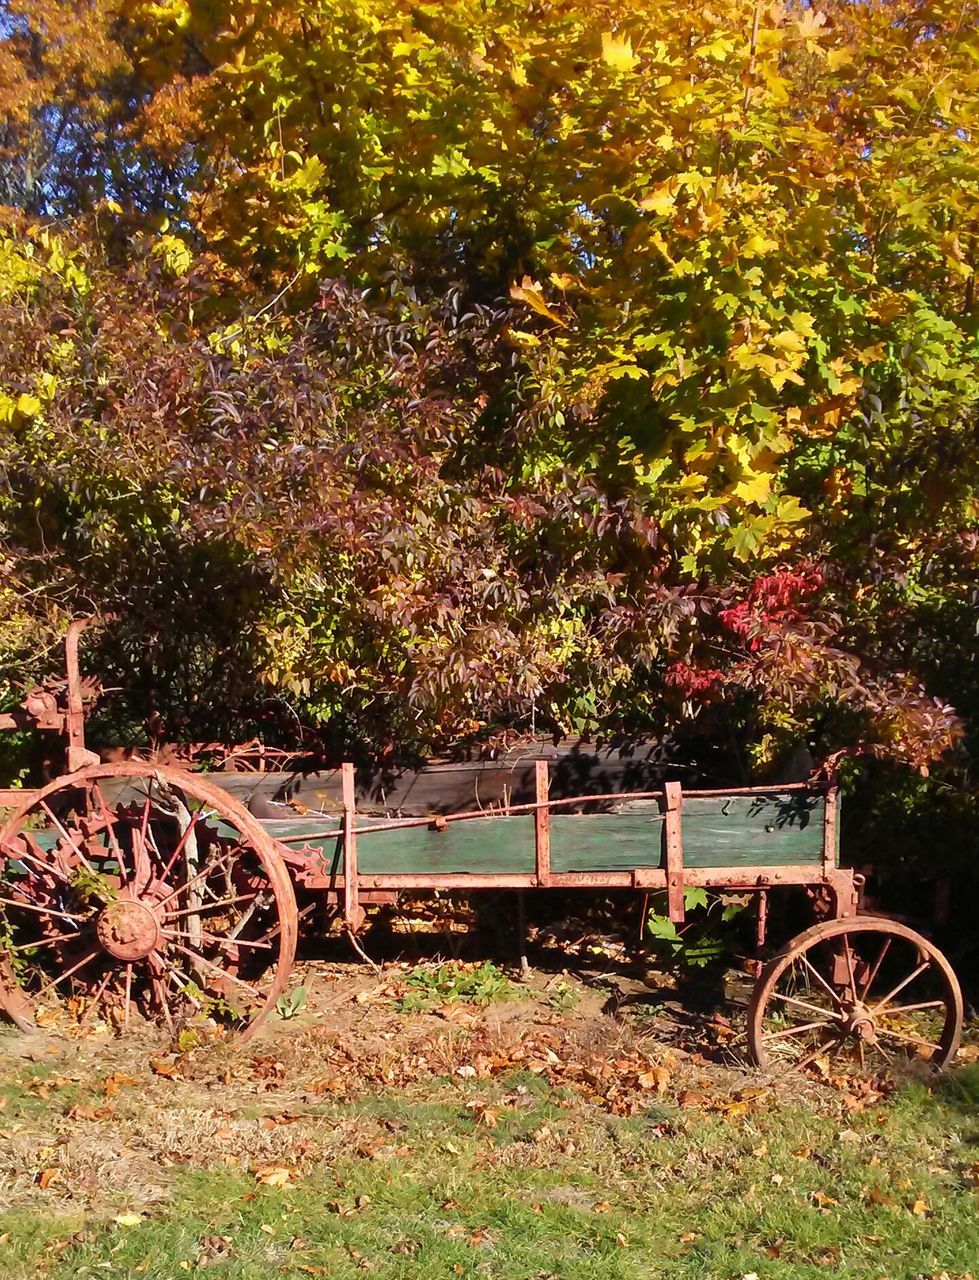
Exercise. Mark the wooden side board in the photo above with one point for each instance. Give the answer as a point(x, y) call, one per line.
point(575, 768)
point(740, 831)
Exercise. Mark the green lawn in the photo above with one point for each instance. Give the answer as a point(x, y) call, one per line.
point(509, 1177)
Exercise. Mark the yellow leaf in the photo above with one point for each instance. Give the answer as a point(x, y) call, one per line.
point(717, 49)
point(27, 405)
point(754, 488)
point(809, 25)
point(836, 58)
point(521, 338)
point(661, 200)
point(529, 291)
point(617, 52)
point(789, 340)
point(128, 1219)
point(757, 245)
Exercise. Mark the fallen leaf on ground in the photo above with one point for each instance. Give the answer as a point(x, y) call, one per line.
point(274, 1175)
point(117, 1081)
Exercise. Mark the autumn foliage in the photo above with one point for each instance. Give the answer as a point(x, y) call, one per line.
point(590, 367)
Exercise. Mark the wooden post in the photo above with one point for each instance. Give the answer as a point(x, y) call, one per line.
point(522, 935)
point(542, 825)
point(674, 851)
point(830, 816)
point(352, 914)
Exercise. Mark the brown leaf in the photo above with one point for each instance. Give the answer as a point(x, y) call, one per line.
point(47, 1176)
point(688, 1098)
point(118, 1080)
point(656, 1078)
point(85, 1111)
point(274, 1175)
point(484, 1114)
point(169, 1068)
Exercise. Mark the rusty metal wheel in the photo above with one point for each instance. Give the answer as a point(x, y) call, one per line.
point(137, 889)
point(861, 991)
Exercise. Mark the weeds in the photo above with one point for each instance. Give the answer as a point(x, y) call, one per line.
point(452, 983)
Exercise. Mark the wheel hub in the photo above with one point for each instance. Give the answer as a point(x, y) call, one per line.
point(128, 929)
point(859, 1022)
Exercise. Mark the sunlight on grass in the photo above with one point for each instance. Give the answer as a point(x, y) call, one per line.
point(512, 1179)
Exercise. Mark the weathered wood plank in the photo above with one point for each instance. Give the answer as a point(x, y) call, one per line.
point(743, 831)
point(576, 768)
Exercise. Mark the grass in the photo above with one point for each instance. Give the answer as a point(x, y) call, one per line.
point(512, 1178)
point(485, 1131)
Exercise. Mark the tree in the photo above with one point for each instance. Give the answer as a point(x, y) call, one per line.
point(695, 289)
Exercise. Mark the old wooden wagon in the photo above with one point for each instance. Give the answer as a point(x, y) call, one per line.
point(140, 890)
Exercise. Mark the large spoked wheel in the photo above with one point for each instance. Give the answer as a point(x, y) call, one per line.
point(130, 890)
point(863, 991)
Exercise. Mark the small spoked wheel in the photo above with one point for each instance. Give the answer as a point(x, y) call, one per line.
point(133, 889)
point(864, 991)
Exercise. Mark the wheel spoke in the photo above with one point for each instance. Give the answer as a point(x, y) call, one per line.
point(795, 1031)
point(201, 875)
point(211, 906)
point(65, 836)
point(881, 1004)
point(48, 868)
point(142, 870)
point(820, 1051)
point(912, 1008)
point(45, 942)
point(821, 980)
point(885, 947)
point(160, 989)
point(127, 995)
point(849, 967)
point(216, 938)
point(809, 1008)
point(111, 832)
point(97, 996)
point(176, 976)
point(199, 959)
point(199, 816)
point(68, 973)
point(42, 911)
point(899, 1035)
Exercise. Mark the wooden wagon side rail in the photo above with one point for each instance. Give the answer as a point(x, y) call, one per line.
point(352, 886)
